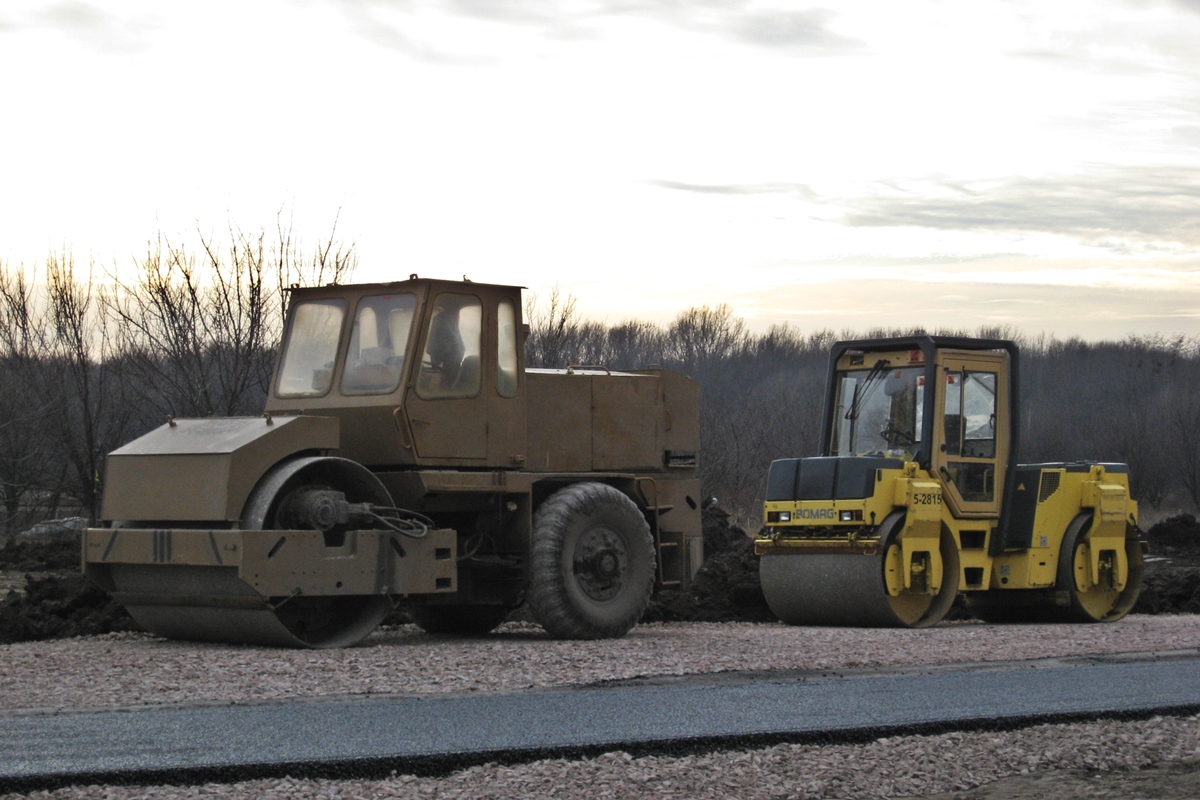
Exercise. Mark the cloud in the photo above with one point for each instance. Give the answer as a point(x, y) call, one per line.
point(392, 24)
point(1114, 207)
point(1061, 310)
point(87, 23)
point(806, 31)
point(800, 189)
point(1188, 135)
point(511, 11)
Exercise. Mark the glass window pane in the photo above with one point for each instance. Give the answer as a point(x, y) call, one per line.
point(506, 352)
point(306, 367)
point(979, 415)
point(953, 413)
point(378, 342)
point(976, 480)
point(878, 412)
point(450, 365)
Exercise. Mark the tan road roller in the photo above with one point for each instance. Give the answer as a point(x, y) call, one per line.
point(917, 499)
point(407, 457)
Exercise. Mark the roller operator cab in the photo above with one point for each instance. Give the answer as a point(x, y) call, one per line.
point(407, 457)
point(916, 498)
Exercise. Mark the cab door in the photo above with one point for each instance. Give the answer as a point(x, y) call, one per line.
point(971, 435)
point(446, 405)
point(505, 383)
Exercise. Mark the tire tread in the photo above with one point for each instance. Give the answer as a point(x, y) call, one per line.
point(550, 599)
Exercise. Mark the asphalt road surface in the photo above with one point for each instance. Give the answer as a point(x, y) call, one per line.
point(374, 735)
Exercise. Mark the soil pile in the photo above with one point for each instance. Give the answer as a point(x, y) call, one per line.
point(726, 589)
point(1172, 583)
point(56, 605)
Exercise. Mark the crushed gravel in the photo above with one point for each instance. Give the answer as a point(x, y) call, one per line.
point(136, 669)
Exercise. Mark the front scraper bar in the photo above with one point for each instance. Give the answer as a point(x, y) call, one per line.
point(268, 564)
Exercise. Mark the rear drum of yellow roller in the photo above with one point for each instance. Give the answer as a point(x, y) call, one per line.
point(850, 590)
point(1074, 598)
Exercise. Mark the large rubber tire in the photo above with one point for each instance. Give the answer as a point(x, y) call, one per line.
point(469, 620)
point(592, 563)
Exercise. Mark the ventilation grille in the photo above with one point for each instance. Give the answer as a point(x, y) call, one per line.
point(1049, 485)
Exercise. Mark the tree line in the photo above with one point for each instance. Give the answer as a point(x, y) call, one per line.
point(88, 362)
point(1135, 401)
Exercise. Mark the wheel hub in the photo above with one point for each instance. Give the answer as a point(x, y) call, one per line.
point(600, 563)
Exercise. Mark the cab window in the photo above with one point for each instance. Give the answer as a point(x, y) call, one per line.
point(306, 367)
point(970, 433)
point(450, 365)
point(971, 414)
point(378, 343)
point(879, 411)
point(506, 363)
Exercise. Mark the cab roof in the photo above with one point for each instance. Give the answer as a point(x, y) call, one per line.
point(413, 282)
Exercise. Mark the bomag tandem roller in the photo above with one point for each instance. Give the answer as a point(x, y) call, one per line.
point(406, 456)
point(917, 498)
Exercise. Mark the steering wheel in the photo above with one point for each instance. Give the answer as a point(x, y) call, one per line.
point(895, 436)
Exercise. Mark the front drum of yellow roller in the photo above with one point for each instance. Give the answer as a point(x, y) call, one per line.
point(850, 590)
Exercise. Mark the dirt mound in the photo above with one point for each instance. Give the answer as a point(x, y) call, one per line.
point(1172, 583)
point(726, 588)
point(33, 555)
point(58, 607)
point(1170, 589)
point(1175, 537)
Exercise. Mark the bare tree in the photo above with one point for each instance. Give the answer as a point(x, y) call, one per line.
point(634, 345)
point(195, 331)
point(701, 337)
point(1182, 419)
point(198, 329)
point(330, 262)
point(553, 332)
point(84, 393)
point(27, 457)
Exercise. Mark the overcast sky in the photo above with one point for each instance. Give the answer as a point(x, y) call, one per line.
point(1033, 164)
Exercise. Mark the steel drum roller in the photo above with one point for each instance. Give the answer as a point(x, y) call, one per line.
point(213, 604)
point(848, 589)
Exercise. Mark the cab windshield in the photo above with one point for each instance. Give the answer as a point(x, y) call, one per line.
point(878, 411)
point(378, 344)
point(306, 367)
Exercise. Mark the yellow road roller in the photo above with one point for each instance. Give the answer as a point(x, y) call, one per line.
point(917, 498)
